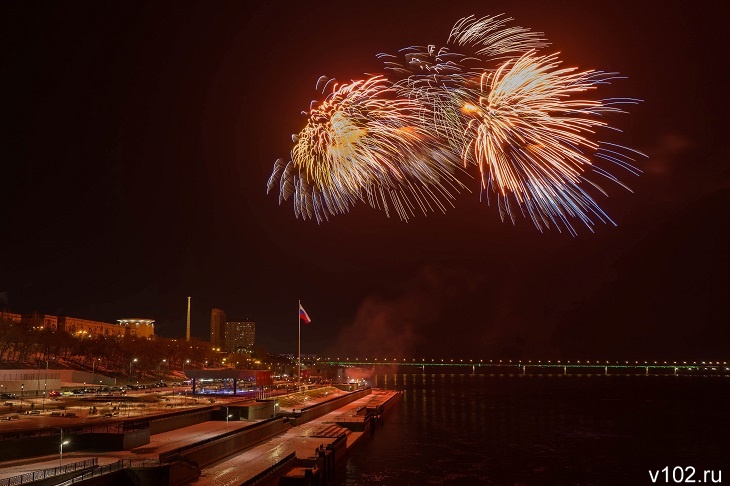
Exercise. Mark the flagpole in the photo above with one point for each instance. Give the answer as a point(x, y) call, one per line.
point(299, 359)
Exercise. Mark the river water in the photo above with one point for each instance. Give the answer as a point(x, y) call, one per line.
point(462, 429)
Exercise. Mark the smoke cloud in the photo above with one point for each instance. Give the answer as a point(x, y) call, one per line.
point(402, 321)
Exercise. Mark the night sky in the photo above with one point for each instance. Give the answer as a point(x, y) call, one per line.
point(138, 138)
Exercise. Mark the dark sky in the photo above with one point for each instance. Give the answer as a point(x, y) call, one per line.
point(139, 137)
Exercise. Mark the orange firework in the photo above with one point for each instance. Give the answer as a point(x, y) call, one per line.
point(486, 99)
point(364, 144)
point(527, 129)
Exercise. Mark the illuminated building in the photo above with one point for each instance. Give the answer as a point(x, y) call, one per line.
point(144, 328)
point(9, 316)
point(217, 327)
point(86, 328)
point(240, 336)
point(41, 321)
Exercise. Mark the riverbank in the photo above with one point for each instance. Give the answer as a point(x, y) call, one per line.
point(305, 452)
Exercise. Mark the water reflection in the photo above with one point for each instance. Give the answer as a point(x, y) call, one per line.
point(542, 429)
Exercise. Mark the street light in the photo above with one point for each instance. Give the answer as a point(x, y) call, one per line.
point(60, 453)
point(159, 373)
point(93, 366)
point(60, 449)
point(22, 392)
point(130, 369)
point(45, 387)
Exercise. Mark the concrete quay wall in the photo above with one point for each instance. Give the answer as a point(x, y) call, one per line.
point(321, 468)
point(208, 453)
point(178, 420)
point(316, 411)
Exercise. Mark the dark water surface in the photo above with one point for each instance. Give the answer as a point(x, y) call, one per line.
point(459, 429)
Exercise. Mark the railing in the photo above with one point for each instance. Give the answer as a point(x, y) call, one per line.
point(271, 470)
point(68, 430)
point(110, 468)
point(48, 473)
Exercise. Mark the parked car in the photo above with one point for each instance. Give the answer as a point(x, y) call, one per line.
point(54, 393)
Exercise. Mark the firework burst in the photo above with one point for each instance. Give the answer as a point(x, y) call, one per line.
point(362, 143)
point(486, 99)
point(431, 75)
point(528, 130)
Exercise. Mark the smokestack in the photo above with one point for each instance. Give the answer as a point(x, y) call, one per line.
point(187, 333)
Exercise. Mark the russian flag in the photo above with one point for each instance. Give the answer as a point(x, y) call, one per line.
point(303, 314)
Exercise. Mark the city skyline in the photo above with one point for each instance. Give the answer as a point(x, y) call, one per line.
point(142, 138)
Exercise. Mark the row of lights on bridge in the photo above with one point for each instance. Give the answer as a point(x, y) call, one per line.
point(424, 360)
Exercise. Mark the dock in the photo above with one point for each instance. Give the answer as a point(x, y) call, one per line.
point(310, 450)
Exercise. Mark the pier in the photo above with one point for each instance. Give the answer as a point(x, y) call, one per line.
point(301, 444)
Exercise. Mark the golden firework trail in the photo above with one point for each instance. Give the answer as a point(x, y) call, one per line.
point(528, 131)
point(485, 99)
point(362, 143)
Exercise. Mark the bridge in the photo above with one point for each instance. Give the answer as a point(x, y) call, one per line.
point(542, 366)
